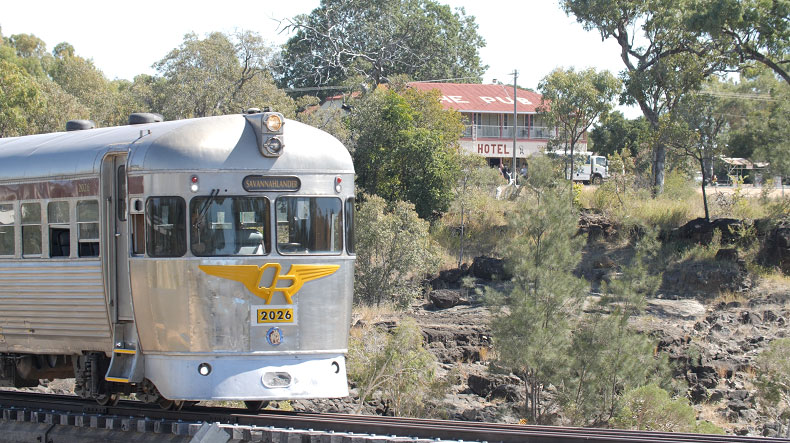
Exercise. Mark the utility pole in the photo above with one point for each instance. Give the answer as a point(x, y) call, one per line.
point(515, 125)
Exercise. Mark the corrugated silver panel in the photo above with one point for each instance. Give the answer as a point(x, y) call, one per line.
point(52, 300)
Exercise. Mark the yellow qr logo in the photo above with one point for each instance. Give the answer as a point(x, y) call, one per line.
point(250, 276)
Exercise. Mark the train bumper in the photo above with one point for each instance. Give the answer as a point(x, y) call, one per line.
point(248, 377)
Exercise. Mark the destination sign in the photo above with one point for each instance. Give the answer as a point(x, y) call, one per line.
point(263, 183)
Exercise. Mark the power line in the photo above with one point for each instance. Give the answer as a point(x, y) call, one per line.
point(744, 96)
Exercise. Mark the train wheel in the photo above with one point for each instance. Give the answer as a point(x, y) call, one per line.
point(108, 399)
point(255, 405)
point(165, 403)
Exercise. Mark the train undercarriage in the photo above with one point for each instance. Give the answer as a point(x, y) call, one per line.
point(88, 371)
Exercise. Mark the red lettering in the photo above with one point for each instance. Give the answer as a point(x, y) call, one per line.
point(479, 148)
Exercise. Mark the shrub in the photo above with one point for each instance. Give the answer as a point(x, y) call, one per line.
point(396, 367)
point(393, 250)
point(650, 408)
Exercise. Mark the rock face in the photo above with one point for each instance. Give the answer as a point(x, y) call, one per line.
point(701, 231)
point(596, 226)
point(727, 273)
point(777, 248)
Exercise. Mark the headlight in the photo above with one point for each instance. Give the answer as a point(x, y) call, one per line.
point(274, 122)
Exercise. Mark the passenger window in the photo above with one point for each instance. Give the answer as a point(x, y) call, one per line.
point(166, 221)
point(88, 228)
point(59, 224)
point(349, 218)
point(309, 225)
point(31, 229)
point(7, 230)
point(223, 226)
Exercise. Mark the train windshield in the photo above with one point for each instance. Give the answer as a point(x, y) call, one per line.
point(309, 225)
point(224, 226)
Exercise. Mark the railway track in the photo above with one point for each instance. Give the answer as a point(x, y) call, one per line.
point(57, 413)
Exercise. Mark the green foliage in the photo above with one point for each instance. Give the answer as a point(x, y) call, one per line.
point(532, 324)
point(745, 31)
point(573, 101)
point(473, 208)
point(773, 379)
point(616, 133)
point(373, 41)
point(18, 96)
point(396, 368)
point(393, 251)
point(650, 408)
point(220, 74)
point(608, 357)
point(404, 147)
point(663, 59)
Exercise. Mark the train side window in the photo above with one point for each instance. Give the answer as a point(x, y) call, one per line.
point(349, 219)
point(88, 228)
point(31, 229)
point(59, 221)
point(166, 221)
point(7, 230)
point(309, 225)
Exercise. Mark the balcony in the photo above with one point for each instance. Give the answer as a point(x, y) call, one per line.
point(506, 132)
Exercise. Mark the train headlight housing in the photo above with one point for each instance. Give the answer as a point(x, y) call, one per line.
point(272, 147)
point(273, 122)
point(268, 127)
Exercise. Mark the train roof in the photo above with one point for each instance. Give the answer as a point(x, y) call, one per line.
point(212, 143)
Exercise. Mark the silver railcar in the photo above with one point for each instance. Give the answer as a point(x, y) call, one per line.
point(187, 260)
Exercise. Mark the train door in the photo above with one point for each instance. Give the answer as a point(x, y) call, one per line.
point(117, 227)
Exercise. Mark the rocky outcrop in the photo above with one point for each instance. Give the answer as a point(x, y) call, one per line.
point(701, 231)
point(776, 250)
point(445, 298)
point(689, 279)
point(596, 226)
point(489, 268)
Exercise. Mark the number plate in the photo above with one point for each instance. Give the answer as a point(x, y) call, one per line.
point(267, 315)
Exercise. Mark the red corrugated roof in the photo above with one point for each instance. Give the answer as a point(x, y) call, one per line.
point(470, 97)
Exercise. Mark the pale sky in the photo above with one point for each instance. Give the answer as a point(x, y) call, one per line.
point(125, 39)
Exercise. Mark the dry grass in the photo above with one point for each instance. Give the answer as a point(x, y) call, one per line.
point(730, 297)
point(370, 314)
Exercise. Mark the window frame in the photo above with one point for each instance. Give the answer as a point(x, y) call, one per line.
point(148, 227)
point(40, 224)
point(307, 254)
point(58, 225)
point(268, 225)
point(14, 229)
point(79, 223)
point(348, 228)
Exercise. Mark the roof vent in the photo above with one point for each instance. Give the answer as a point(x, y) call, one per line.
point(79, 125)
point(251, 111)
point(139, 118)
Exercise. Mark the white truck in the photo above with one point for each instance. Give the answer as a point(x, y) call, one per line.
point(588, 168)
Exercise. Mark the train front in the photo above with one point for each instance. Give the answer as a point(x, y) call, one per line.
point(244, 289)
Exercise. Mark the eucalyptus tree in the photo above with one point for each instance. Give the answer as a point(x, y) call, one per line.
point(750, 31)
point(219, 74)
point(573, 101)
point(663, 59)
point(374, 40)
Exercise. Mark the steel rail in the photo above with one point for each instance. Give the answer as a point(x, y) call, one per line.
point(364, 424)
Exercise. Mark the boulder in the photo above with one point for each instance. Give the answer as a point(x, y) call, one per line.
point(701, 231)
point(489, 268)
point(776, 250)
point(445, 298)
